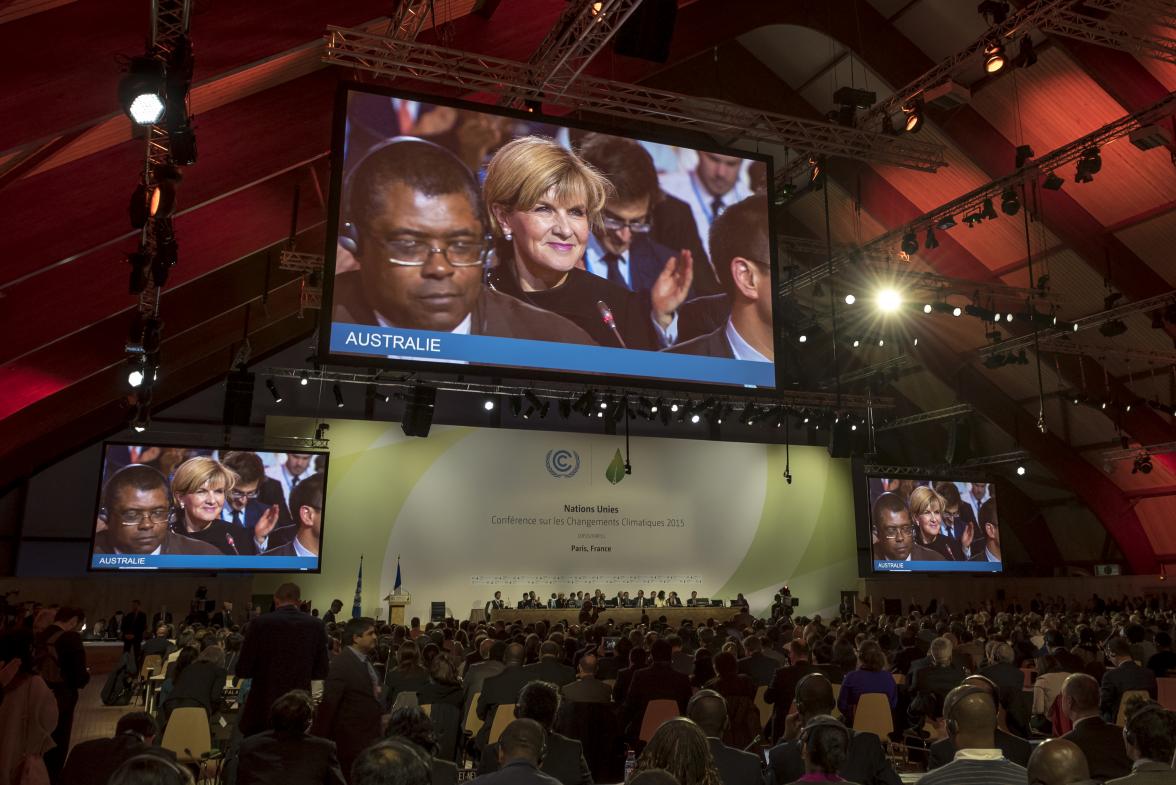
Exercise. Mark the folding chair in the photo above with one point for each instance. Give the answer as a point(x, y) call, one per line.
point(657, 712)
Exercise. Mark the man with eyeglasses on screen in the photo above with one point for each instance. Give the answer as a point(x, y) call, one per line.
point(414, 220)
point(136, 508)
point(894, 535)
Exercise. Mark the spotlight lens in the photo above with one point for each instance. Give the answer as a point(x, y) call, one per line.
point(853, 427)
point(913, 121)
point(803, 338)
point(135, 378)
point(889, 300)
point(694, 418)
point(850, 299)
point(304, 381)
point(957, 311)
point(139, 428)
point(927, 308)
point(1008, 317)
point(1075, 328)
point(673, 407)
point(856, 343)
point(146, 109)
point(881, 341)
point(1020, 471)
point(604, 404)
point(488, 405)
point(994, 62)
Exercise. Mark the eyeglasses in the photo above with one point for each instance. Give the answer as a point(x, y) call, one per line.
point(614, 224)
point(135, 517)
point(951, 517)
point(892, 532)
point(414, 253)
point(242, 495)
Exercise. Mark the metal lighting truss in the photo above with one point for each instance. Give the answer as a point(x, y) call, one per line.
point(949, 413)
point(310, 266)
point(386, 57)
point(1058, 346)
point(894, 364)
point(1133, 452)
point(779, 398)
point(408, 19)
point(973, 201)
point(965, 471)
point(1053, 335)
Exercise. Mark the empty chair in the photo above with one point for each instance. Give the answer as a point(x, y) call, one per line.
point(765, 711)
point(656, 712)
point(503, 716)
point(473, 723)
point(187, 734)
point(873, 715)
point(1166, 692)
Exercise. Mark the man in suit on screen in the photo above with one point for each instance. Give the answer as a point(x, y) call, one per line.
point(136, 511)
point(306, 503)
point(893, 534)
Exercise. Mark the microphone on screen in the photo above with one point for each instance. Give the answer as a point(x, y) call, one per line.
point(606, 315)
point(232, 544)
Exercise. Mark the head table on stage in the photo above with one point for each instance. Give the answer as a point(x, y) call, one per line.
point(619, 616)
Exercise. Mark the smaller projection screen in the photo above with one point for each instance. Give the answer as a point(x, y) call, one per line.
point(168, 507)
point(470, 235)
point(931, 524)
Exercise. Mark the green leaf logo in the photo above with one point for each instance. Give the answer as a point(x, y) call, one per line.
point(616, 469)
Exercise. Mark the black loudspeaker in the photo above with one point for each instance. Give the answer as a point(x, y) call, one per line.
point(647, 32)
point(436, 611)
point(418, 411)
point(840, 440)
point(238, 398)
point(959, 441)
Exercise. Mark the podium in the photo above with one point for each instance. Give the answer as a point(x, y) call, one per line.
point(396, 605)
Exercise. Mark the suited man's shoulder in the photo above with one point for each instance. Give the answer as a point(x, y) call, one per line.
point(923, 553)
point(186, 546)
point(282, 550)
point(503, 316)
point(712, 344)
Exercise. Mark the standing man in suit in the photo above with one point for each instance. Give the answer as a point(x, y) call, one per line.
point(349, 713)
point(495, 604)
point(64, 670)
point(657, 681)
point(1123, 675)
point(865, 761)
point(283, 650)
point(550, 667)
point(223, 617)
point(1101, 742)
point(741, 249)
point(330, 616)
point(782, 690)
point(133, 628)
point(759, 666)
point(564, 757)
point(286, 754)
point(708, 709)
point(937, 680)
point(587, 688)
point(502, 689)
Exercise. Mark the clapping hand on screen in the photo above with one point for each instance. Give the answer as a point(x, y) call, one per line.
point(967, 536)
point(671, 287)
point(265, 524)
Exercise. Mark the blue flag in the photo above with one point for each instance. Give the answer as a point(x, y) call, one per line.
point(357, 604)
point(396, 586)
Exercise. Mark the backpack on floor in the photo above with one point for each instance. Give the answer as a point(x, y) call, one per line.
point(119, 686)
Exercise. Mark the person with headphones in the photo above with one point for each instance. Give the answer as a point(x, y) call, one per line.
point(521, 749)
point(414, 219)
point(708, 709)
point(286, 753)
point(825, 746)
point(1011, 746)
point(971, 725)
point(1059, 762)
point(865, 761)
point(563, 757)
point(1149, 734)
point(92, 762)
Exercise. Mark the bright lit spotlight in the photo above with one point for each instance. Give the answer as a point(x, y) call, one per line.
point(135, 377)
point(1020, 471)
point(604, 404)
point(927, 308)
point(694, 418)
point(488, 404)
point(673, 407)
point(850, 299)
point(853, 427)
point(1008, 317)
point(957, 311)
point(304, 378)
point(889, 300)
point(803, 338)
point(856, 343)
point(881, 341)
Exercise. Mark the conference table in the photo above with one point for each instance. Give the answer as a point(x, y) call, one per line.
point(674, 616)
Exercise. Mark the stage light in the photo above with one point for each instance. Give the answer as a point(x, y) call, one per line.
point(694, 418)
point(1088, 165)
point(488, 404)
point(930, 242)
point(980, 313)
point(914, 116)
point(656, 405)
point(881, 341)
point(945, 223)
point(338, 396)
point(1142, 464)
point(994, 57)
point(915, 341)
point(1023, 154)
point(850, 299)
point(1113, 328)
point(957, 311)
point(1052, 182)
point(988, 211)
point(527, 414)
point(162, 201)
point(889, 300)
point(1009, 203)
point(856, 343)
point(803, 338)
point(141, 91)
point(673, 407)
point(1020, 471)
point(928, 308)
point(273, 388)
point(135, 377)
point(910, 243)
point(516, 405)
point(303, 378)
point(1008, 317)
point(604, 404)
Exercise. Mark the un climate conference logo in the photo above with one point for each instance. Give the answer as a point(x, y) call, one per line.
point(563, 463)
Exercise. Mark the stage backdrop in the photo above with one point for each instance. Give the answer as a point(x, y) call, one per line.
point(470, 511)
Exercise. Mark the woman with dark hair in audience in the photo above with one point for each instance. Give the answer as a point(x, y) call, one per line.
point(200, 683)
point(824, 747)
point(704, 668)
point(871, 675)
point(28, 714)
point(1046, 689)
point(412, 725)
point(407, 676)
point(443, 686)
point(680, 747)
point(531, 649)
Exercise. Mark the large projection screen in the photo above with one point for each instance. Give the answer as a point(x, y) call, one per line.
point(470, 238)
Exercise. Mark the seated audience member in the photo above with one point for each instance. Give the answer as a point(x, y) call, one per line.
point(408, 675)
point(286, 754)
point(501, 690)
point(741, 250)
point(1046, 688)
point(411, 724)
point(520, 749)
point(738, 691)
point(150, 770)
point(653, 777)
point(391, 762)
point(587, 688)
point(200, 684)
point(137, 510)
point(783, 687)
point(160, 645)
point(938, 679)
point(92, 762)
point(1124, 675)
point(865, 761)
point(871, 676)
point(708, 710)
point(759, 666)
point(824, 744)
point(564, 757)
point(990, 527)
point(638, 659)
point(1101, 742)
point(681, 748)
point(1149, 734)
point(443, 685)
point(1010, 683)
point(543, 202)
point(1164, 660)
point(405, 198)
point(893, 534)
point(306, 505)
point(1011, 746)
point(971, 726)
point(550, 666)
point(926, 508)
point(656, 681)
point(1058, 762)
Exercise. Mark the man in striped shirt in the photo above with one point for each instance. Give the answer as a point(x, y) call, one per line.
point(971, 726)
